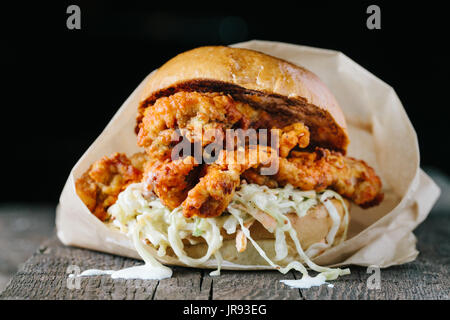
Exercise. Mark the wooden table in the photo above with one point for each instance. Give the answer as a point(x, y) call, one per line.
point(44, 276)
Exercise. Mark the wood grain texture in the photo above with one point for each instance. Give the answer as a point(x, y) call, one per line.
point(22, 228)
point(253, 285)
point(44, 276)
point(185, 284)
point(428, 277)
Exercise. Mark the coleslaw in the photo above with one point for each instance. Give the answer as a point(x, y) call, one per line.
point(148, 222)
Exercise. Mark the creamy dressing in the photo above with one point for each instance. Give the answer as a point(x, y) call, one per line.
point(307, 282)
point(143, 272)
point(96, 272)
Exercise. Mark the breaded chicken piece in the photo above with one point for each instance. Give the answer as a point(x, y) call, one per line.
point(99, 187)
point(317, 170)
point(205, 190)
point(296, 134)
point(212, 194)
point(253, 175)
point(323, 169)
point(196, 116)
point(171, 180)
point(214, 191)
point(194, 112)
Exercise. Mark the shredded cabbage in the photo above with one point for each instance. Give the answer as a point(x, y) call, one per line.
point(276, 203)
point(280, 244)
point(162, 227)
point(197, 231)
point(219, 260)
point(210, 234)
point(146, 218)
point(143, 252)
point(230, 224)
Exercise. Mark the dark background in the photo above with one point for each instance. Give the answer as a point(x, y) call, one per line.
point(63, 86)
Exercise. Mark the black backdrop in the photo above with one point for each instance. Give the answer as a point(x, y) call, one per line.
point(63, 86)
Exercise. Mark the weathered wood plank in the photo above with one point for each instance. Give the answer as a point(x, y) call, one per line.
point(22, 228)
point(44, 276)
point(428, 277)
point(185, 284)
point(252, 285)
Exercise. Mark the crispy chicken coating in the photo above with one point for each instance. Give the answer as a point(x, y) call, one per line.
point(205, 190)
point(253, 175)
point(99, 187)
point(194, 113)
point(322, 169)
point(296, 134)
point(196, 116)
point(171, 180)
point(318, 170)
point(213, 193)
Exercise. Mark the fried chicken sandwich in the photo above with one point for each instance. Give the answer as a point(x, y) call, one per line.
point(243, 160)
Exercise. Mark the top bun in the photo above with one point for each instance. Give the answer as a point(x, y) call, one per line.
point(258, 79)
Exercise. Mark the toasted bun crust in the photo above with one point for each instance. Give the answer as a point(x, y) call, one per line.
point(259, 79)
point(310, 229)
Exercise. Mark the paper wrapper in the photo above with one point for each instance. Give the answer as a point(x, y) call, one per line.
point(380, 133)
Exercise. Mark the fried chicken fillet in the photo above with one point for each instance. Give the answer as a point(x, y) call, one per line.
point(210, 193)
point(323, 169)
point(99, 187)
point(205, 190)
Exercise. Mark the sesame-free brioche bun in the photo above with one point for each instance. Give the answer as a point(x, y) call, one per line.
point(261, 80)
